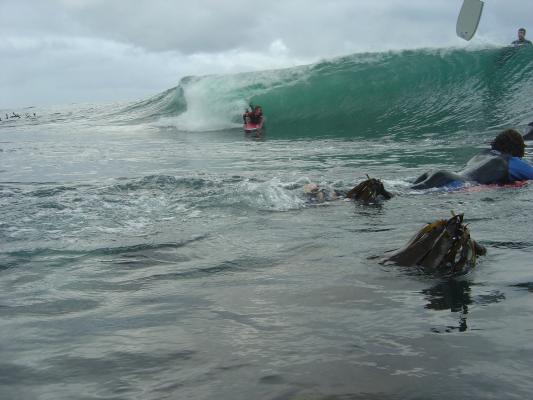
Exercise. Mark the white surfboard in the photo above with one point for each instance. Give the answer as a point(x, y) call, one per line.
point(468, 19)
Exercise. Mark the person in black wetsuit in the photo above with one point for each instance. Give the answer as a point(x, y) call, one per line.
point(521, 41)
point(500, 164)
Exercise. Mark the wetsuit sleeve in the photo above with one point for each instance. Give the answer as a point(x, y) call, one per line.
point(519, 170)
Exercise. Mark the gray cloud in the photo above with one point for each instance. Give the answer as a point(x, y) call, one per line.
point(306, 26)
point(162, 25)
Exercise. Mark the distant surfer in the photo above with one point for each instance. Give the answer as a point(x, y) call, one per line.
point(253, 119)
point(254, 115)
point(501, 164)
point(15, 115)
point(521, 41)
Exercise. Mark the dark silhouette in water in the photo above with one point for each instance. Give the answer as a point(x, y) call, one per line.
point(450, 294)
point(15, 115)
point(524, 285)
point(499, 165)
point(453, 295)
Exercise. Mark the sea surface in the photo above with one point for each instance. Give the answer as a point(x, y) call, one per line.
point(151, 250)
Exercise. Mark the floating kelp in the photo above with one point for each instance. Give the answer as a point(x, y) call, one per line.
point(444, 246)
point(369, 191)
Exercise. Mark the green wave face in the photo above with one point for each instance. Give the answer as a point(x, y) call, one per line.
point(397, 93)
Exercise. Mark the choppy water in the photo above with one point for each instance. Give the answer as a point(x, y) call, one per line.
point(139, 260)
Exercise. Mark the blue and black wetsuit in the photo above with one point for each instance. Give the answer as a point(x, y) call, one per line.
point(519, 170)
point(488, 167)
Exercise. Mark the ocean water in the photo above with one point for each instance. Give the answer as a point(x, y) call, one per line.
point(151, 250)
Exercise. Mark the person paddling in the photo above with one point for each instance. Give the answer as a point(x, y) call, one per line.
point(500, 164)
point(256, 117)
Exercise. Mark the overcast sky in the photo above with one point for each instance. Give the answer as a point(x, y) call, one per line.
point(69, 51)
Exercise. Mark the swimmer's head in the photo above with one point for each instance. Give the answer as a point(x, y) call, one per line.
point(311, 188)
point(510, 142)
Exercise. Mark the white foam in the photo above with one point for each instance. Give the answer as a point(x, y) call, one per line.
point(270, 195)
point(218, 102)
